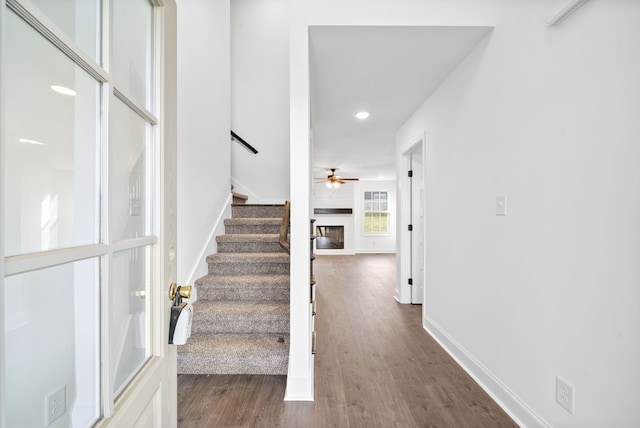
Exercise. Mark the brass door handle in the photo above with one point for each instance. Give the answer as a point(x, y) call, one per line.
point(185, 291)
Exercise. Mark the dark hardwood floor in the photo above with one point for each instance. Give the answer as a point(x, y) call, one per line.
point(375, 367)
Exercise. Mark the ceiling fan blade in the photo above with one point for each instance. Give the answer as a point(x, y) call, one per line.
point(349, 179)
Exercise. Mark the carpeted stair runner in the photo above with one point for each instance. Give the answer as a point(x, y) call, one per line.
point(241, 317)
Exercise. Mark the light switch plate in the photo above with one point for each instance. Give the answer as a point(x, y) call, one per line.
point(501, 204)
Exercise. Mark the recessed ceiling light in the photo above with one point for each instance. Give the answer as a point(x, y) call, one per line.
point(63, 90)
point(381, 177)
point(27, 141)
point(362, 115)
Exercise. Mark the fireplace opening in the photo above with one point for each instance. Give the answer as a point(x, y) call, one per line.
point(330, 237)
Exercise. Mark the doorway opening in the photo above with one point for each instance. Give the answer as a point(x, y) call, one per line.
point(412, 241)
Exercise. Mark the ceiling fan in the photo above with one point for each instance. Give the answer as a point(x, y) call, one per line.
point(334, 180)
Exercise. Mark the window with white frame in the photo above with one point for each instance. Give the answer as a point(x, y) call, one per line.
point(376, 213)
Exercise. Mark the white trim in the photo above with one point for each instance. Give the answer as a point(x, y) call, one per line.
point(334, 252)
point(300, 374)
point(377, 251)
point(516, 408)
point(43, 25)
point(27, 262)
point(210, 240)
point(560, 15)
point(106, 396)
point(3, 381)
point(135, 395)
point(128, 244)
point(131, 102)
point(299, 389)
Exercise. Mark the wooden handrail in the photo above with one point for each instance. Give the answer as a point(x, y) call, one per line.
point(284, 227)
point(241, 140)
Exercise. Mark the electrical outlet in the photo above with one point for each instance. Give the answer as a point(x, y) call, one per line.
point(565, 396)
point(55, 405)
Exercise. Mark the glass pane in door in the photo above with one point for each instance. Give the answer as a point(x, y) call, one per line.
point(52, 346)
point(131, 61)
point(78, 19)
point(50, 133)
point(128, 167)
point(129, 347)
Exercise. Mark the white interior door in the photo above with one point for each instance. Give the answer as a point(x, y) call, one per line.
point(417, 235)
point(88, 213)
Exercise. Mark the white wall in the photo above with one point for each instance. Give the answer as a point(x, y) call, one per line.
point(260, 98)
point(400, 12)
point(203, 131)
point(549, 116)
point(305, 13)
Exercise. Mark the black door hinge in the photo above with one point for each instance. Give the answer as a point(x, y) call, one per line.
point(411, 173)
point(410, 281)
point(410, 227)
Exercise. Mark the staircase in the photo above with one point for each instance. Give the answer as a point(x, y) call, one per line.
point(241, 317)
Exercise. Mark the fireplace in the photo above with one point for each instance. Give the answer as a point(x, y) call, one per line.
point(329, 237)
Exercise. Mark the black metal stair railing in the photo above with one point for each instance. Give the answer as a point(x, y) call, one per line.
point(242, 141)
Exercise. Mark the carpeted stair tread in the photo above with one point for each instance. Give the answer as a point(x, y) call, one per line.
point(249, 237)
point(252, 225)
point(257, 211)
point(249, 243)
point(244, 287)
point(266, 354)
point(248, 263)
point(240, 317)
point(242, 280)
point(253, 220)
point(249, 258)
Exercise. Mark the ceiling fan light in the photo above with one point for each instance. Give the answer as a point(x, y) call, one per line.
point(329, 184)
point(336, 184)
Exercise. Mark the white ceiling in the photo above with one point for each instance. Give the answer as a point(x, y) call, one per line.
point(387, 71)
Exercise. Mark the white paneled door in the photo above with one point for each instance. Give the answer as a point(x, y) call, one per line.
point(417, 235)
point(88, 216)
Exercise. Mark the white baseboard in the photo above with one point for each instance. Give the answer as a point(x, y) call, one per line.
point(334, 252)
point(510, 403)
point(210, 244)
point(376, 251)
point(299, 389)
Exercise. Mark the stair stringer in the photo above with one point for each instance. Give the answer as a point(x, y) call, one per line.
point(199, 267)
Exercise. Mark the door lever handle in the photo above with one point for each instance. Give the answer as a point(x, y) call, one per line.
point(184, 291)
